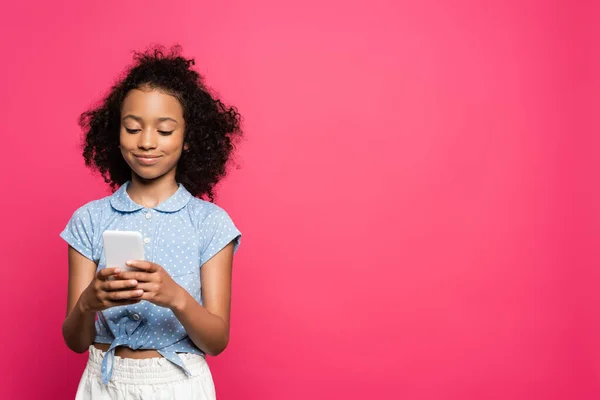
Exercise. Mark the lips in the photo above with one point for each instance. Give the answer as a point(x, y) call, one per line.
point(146, 159)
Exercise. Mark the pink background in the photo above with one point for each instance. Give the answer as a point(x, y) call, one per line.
point(418, 193)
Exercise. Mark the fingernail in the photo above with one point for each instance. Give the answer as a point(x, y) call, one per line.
point(117, 270)
point(128, 262)
point(133, 282)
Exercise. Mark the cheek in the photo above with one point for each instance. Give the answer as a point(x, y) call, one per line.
point(129, 142)
point(124, 139)
point(175, 154)
point(173, 146)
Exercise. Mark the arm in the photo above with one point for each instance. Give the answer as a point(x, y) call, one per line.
point(78, 327)
point(208, 325)
point(88, 293)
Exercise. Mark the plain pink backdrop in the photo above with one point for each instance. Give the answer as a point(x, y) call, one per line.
point(418, 190)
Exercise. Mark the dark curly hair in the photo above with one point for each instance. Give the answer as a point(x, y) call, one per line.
point(211, 128)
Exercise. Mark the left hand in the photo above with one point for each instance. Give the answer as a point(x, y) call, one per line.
point(158, 286)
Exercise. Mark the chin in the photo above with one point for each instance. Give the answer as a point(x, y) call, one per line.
point(147, 176)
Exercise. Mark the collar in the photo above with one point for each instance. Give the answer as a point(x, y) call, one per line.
point(121, 201)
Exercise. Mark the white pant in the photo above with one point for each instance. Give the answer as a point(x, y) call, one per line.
point(151, 378)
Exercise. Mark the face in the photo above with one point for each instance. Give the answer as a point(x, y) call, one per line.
point(151, 136)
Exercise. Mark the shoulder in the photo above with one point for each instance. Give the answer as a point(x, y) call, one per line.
point(92, 210)
point(209, 217)
point(83, 227)
point(202, 210)
point(216, 228)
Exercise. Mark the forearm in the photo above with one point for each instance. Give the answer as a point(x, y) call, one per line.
point(79, 329)
point(209, 332)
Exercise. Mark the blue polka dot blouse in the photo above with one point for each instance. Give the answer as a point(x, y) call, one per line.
point(180, 234)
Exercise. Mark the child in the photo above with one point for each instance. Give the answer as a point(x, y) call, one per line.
point(160, 140)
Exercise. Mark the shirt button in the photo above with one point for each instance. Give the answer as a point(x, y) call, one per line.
point(136, 317)
point(147, 240)
point(148, 215)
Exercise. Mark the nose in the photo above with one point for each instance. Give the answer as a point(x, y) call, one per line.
point(147, 140)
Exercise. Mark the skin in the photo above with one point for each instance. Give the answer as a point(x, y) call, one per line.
point(152, 124)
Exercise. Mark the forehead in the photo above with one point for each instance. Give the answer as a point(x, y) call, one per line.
point(151, 103)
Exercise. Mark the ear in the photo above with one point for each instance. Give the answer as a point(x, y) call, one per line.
point(186, 146)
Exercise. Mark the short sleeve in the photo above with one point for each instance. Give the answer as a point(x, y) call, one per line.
point(78, 233)
point(217, 231)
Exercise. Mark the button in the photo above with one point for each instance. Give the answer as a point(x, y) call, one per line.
point(147, 240)
point(148, 215)
point(136, 317)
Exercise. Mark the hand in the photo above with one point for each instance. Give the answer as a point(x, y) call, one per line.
point(158, 286)
point(103, 293)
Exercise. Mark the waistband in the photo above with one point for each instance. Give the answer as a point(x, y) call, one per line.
point(148, 370)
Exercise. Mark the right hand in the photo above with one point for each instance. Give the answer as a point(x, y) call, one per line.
point(103, 293)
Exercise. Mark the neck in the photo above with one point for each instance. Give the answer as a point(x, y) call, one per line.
point(151, 192)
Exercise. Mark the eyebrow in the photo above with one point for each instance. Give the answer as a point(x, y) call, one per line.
point(139, 119)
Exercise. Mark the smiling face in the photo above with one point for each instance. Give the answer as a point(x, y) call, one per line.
point(152, 133)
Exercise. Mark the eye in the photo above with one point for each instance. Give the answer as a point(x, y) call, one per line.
point(132, 130)
point(165, 133)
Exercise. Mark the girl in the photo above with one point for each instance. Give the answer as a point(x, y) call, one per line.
point(161, 139)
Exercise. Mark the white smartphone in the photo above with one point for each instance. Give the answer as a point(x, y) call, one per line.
point(122, 246)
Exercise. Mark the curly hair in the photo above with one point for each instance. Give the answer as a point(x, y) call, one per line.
point(211, 127)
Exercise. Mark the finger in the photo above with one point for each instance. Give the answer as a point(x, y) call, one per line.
point(118, 284)
point(124, 295)
point(105, 273)
point(147, 287)
point(135, 275)
point(143, 265)
point(118, 303)
point(149, 296)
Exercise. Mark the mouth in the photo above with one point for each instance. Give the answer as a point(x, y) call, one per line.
point(146, 159)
